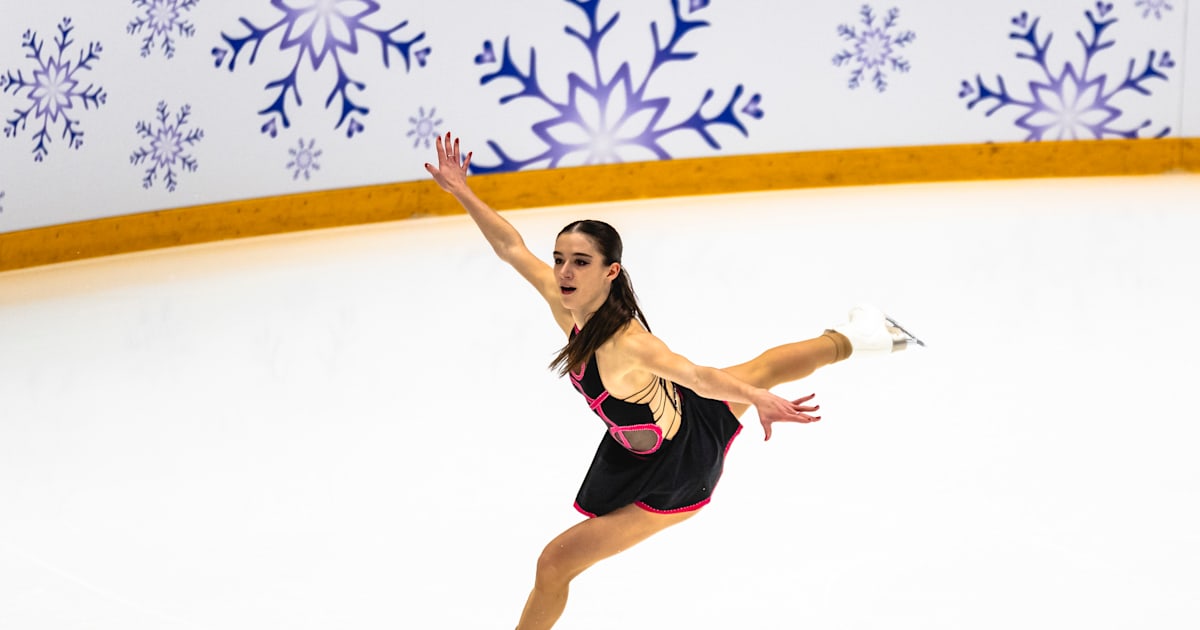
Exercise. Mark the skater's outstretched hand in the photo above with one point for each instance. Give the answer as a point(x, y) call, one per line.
point(451, 171)
point(772, 409)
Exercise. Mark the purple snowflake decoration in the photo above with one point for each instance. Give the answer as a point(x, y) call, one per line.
point(425, 127)
point(602, 116)
point(167, 144)
point(1070, 104)
point(320, 30)
point(875, 48)
point(1155, 7)
point(53, 90)
point(304, 159)
point(161, 18)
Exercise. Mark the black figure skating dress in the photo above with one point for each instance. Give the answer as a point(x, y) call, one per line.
point(635, 464)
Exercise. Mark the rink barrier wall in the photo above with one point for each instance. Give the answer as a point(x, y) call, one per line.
point(593, 184)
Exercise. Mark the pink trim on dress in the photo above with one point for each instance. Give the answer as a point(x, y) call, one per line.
point(615, 430)
point(593, 403)
point(690, 508)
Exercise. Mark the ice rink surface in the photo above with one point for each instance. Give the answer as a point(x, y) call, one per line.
point(355, 429)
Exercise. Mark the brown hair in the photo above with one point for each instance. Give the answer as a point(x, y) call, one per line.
point(618, 309)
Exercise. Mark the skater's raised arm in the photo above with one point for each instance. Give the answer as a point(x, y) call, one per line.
point(451, 175)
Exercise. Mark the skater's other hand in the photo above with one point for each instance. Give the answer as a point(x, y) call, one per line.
point(772, 409)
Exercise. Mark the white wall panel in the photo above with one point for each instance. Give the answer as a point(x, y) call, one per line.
point(1191, 75)
point(780, 53)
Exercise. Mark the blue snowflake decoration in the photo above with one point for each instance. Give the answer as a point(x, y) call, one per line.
point(602, 116)
point(425, 127)
point(161, 18)
point(875, 48)
point(320, 30)
point(304, 159)
point(167, 143)
point(54, 89)
point(1069, 103)
point(1155, 7)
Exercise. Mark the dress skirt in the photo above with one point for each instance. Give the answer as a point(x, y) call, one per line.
point(679, 477)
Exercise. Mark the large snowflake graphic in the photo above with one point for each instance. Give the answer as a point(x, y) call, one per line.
point(304, 159)
point(875, 47)
point(167, 143)
point(320, 30)
point(1071, 103)
point(1155, 7)
point(54, 89)
point(604, 117)
point(161, 18)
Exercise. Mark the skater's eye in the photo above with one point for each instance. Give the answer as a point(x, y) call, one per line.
point(558, 260)
point(580, 262)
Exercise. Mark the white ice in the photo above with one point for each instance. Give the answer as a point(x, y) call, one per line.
point(355, 429)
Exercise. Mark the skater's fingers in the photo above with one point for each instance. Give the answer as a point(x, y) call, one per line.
point(804, 399)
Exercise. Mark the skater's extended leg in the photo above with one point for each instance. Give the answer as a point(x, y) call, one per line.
point(789, 362)
point(580, 547)
point(868, 332)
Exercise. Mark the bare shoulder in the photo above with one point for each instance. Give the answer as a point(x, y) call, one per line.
point(637, 349)
point(624, 359)
point(633, 339)
point(643, 355)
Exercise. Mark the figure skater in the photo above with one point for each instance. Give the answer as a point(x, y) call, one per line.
point(669, 422)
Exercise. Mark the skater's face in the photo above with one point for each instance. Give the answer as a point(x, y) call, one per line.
point(584, 277)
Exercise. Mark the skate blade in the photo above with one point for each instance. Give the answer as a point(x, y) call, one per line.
point(911, 337)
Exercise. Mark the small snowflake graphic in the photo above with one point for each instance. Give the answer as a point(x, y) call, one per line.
point(604, 117)
point(304, 159)
point(54, 89)
point(160, 18)
point(1155, 7)
point(1, 197)
point(1070, 104)
point(168, 142)
point(875, 48)
point(320, 30)
point(425, 127)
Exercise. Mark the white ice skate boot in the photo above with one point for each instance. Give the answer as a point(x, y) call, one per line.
point(871, 333)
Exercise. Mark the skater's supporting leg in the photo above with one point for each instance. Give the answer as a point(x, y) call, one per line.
point(790, 362)
point(580, 547)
